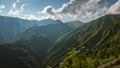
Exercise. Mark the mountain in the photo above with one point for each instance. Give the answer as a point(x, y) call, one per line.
point(100, 37)
point(74, 24)
point(35, 38)
point(27, 41)
point(52, 31)
point(36, 44)
point(47, 22)
point(25, 53)
point(88, 46)
point(11, 27)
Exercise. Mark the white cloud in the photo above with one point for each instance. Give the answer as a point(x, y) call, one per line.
point(37, 17)
point(40, 15)
point(81, 9)
point(30, 17)
point(72, 7)
point(14, 11)
point(77, 9)
point(14, 4)
point(84, 10)
point(115, 9)
point(49, 9)
point(2, 7)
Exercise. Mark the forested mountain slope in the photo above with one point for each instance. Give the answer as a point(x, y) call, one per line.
point(91, 37)
point(25, 53)
point(52, 31)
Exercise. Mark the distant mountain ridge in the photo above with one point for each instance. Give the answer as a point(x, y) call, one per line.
point(54, 31)
point(74, 24)
point(11, 28)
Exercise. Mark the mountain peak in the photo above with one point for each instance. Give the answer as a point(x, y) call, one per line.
point(58, 21)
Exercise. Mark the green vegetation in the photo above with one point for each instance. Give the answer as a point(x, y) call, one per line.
point(89, 46)
point(14, 57)
point(28, 40)
point(29, 51)
point(109, 53)
point(98, 40)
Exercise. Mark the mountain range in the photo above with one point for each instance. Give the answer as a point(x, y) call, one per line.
point(52, 43)
point(11, 28)
point(27, 41)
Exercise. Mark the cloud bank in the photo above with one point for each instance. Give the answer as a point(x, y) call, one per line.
point(82, 9)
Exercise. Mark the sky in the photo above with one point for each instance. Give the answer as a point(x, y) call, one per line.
point(65, 10)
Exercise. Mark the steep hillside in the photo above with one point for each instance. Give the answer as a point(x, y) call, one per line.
point(74, 24)
point(52, 31)
point(35, 38)
point(91, 37)
point(29, 51)
point(36, 44)
point(103, 56)
point(11, 27)
point(14, 57)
